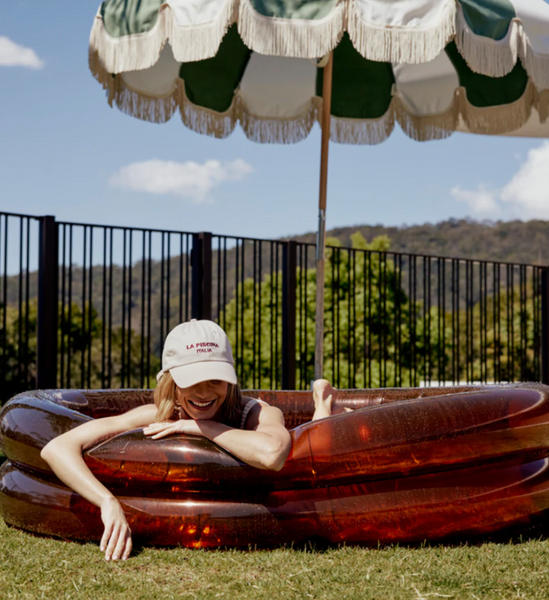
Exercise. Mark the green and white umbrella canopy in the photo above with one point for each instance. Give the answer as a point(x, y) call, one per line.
point(433, 66)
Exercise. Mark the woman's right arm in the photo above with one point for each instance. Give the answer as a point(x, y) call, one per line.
point(64, 455)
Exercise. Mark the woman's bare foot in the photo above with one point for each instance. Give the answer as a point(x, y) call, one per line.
point(323, 396)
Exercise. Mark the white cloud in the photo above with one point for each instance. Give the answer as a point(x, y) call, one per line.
point(187, 179)
point(528, 191)
point(482, 201)
point(526, 196)
point(14, 55)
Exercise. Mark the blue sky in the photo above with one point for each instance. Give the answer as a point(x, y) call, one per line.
point(63, 151)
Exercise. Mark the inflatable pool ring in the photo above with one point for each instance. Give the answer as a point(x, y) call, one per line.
point(408, 465)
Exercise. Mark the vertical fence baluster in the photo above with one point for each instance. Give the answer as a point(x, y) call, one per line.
point(536, 310)
point(69, 302)
point(149, 291)
point(111, 294)
point(351, 301)
point(143, 321)
point(90, 306)
point(180, 319)
point(104, 313)
point(27, 302)
point(260, 307)
point(398, 320)
point(288, 314)
point(130, 304)
point(4, 280)
point(384, 319)
point(46, 356)
point(63, 325)
point(20, 348)
point(545, 325)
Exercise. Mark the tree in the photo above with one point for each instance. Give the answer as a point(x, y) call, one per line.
point(374, 334)
point(362, 291)
point(89, 356)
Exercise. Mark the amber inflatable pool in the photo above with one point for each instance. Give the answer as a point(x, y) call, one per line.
point(407, 465)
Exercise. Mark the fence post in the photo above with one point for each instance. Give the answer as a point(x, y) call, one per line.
point(46, 353)
point(545, 325)
point(201, 262)
point(289, 263)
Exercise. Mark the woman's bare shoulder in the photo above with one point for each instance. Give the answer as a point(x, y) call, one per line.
point(247, 399)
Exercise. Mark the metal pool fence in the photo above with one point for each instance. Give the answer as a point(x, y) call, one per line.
point(84, 305)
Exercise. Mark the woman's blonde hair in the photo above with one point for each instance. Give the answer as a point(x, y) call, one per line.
point(165, 395)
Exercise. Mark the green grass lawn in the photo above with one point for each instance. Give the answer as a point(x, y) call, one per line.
point(36, 567)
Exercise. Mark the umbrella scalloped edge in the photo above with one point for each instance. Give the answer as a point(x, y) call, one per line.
point(302, 38)
point(498, 58)
point(495, 120)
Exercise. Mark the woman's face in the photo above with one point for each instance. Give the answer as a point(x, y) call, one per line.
point(203, 400)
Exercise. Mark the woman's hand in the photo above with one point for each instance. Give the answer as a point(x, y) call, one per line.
point(160, 430)
point(117, 538)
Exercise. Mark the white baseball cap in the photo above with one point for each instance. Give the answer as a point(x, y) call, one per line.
point(197, 351)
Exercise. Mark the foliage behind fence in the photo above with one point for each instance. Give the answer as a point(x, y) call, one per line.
point(89, 306)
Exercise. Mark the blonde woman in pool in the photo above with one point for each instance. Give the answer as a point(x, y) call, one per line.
point(198, 394)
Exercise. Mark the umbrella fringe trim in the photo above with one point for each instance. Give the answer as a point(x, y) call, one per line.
point(285, 37)
point(400, 44)
point(542, 106)
point(492, 120)
point(426, 128)
point(484, 55)
point(362, 131)
point(496, 58)
point(536, 65)
point(97, 70)
point(203, 120)
point(497, 120)
point(195, 43)
point(147, 108)
point(142, 50)
point(277, 130)
point(131, 52)
point(259, 129)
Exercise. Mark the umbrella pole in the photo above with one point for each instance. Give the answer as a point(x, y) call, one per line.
point(320, 240)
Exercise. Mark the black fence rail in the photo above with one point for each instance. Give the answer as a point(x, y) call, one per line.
point(85, 305)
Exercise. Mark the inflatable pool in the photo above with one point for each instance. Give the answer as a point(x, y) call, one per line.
point(406, 465)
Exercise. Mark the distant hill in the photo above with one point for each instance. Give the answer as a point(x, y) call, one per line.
point(511, 241)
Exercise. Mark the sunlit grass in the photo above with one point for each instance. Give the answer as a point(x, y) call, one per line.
point(36, 567)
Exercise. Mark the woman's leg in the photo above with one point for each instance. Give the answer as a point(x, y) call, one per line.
point(323, 396)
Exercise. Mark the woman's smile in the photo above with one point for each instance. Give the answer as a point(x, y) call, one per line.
point(202, 400)
point(202, 404)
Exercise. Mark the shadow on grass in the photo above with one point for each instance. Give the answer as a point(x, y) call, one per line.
point(532, 533)
point(514, 536)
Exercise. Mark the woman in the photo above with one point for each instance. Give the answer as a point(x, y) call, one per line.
point(198, 394)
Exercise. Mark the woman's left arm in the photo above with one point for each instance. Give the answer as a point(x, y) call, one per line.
point(265, 443)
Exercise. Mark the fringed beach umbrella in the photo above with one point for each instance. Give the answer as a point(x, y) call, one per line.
point(355, 66)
